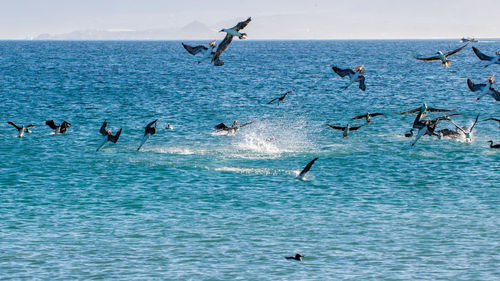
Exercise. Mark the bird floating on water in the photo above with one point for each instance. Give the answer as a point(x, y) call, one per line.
point(148, 132)
point(368, 116)
point(59, 129)
point(442, 57)
point(280, 99)
point(494, 145)
point(230, 33)
point(297, 257)
point(356, 75)
point(108, 135)
point(490, 59)
point(485, 88)
point(206, 52)
point(306, 169)
point(22, 129)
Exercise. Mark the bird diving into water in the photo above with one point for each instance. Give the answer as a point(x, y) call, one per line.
point(230, 33)
point(356, 75)
point(485, 88)
point(491, 60)
point(148, 132)
point(108, 135)
point(306, 169)
point(233, 129)
point(428, 126)
point(21, 129)
point(442, 57)
point(59, 129)
point(280, 99)
point(466, 131)
point(206, 53)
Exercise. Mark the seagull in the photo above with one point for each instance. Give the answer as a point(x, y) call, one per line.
point(280, 99)
point(485, 88)
point(443, 57)
point(22, 129)
point(297, 257)
point(489, 59)
point(148, 132)
point(60, 129)
point(493, 119)
point(230, 33)
point(494, 145)
point(355, 75)
point(200, 49)
point(467, 132)
point(233, 129)
point(108, 135)
point(368, 116)
point(305, 170)
point(345, 129)
point(424, 108)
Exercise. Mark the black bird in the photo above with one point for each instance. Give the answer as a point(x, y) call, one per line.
point(148, 132)
point(60, 129)
point(22, 129)
point(494, 145)
point(368, 116)
point(297, 257)
point(356, 75)
point(306, 169)
point(108, 135)
point(443, 57)
point(493, 119)
point(280, 99)
point(490, 59)
point(231, 130)
point(230, 33)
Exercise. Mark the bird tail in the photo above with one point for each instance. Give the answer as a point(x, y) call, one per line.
point(447, 63)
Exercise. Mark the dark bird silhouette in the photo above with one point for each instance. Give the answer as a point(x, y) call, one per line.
point(356, 75)
point(230, 33)
point(485, 88)
point(422, 109)
point(148, 132)
point(280, 99)
point(205, 52)
point(233, 129)
point(494, 145)
point(345, 129)
point(306, 169)
point(59, 129)
point(493, 119)
point(108, 135)
point(442, 57)
point(297, 257)
point(368, 116)
point(490, 59)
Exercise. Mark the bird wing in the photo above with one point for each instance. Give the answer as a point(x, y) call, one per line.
point(243, 125)
point(475, 87)
point(221, 126)
point(103, 129)
point(273, 100)
point(14, 125)
point(355, 128)
point(359, 117)
point(149, 126)
point(115, 138)
point(30, 125)
point(475, 121)
point(444, 117)
point(480, 55)
point(342, 72)
point(409, 111)
point(495, 94)
point(222, 47)
point(420, 133)
point(65, 124)
point(307, 168)
point(455, 51)
point(493, 119)
point(456, 126)
point(362, 85)
point(242, 24)
point(376, 114)
point(336, 127)
point(428, 59)
point(431, 109)
point(194, 50)
point(51, 124)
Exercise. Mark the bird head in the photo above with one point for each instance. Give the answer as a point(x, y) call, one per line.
point(222, 30)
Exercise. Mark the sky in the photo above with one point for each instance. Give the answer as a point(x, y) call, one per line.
point(272, 19)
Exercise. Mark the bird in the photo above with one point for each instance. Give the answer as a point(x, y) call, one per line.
point(491, 60)
point(423, 109)
point(368, 116)
point(60, 129)
point(467, 132)
point(493, 119)
point(442, 57)
point(468, 39)
point(230, 33)
point(427, 126)
point(108, 135)
point(297, 257)
point(356, 75)
point(280, 99)
point(305, 170)
point(169, 127)
point(494, 145)
point(22, 129)
point(233, 129)
point(485, 88)
point(200, 49)
point(148, 132)
point(447, 133)
point(345, 129)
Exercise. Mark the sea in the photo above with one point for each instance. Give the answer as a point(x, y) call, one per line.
point(196, 204)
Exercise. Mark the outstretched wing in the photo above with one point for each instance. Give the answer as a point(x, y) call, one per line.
point(444, 117)
point(455, 51)
point(475, 87)
point(103, 129)
point(336, 127)
point(51, 124)
point(14, 125)
point(475, 121)
point(428, 59)
point(194, 50)
point(115, 138)
point(30, 125)
point(342, 72)
point(243, 125)
point(149, 128)
point(221, 126)
point(273, 100)
point(376, 114)
point(307, 168)
point(480, 55)
point(242, 24)
point(495, 94)
point(355, 128)
point(409, 111)
point(493, 119)
point(431, 109)
point(359, 117)
point(362, 85)
point(222, 47)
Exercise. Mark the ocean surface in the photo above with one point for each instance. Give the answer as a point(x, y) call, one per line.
point(199, 205)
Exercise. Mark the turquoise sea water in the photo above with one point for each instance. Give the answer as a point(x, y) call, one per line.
point(194, 205)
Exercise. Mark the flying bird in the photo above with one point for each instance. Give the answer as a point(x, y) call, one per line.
point(297, 257)
point(345, 129)
point(442, 57)
point(427, 126)
point(423, 109)
point(306, 169)
point(368, 116)
point(493, 119)
point(280, 99)
point(233, 129)
point(22, 129)
point(148, 132)
point(356, 75)
point(59, 129)
point(485, 88)
point(466, 131)
point(493, 145)
point(491, 60)
point(205, 52)
point(108, 135)
point(230, 33)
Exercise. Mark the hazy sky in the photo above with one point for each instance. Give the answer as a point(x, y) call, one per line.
point(320, 19)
